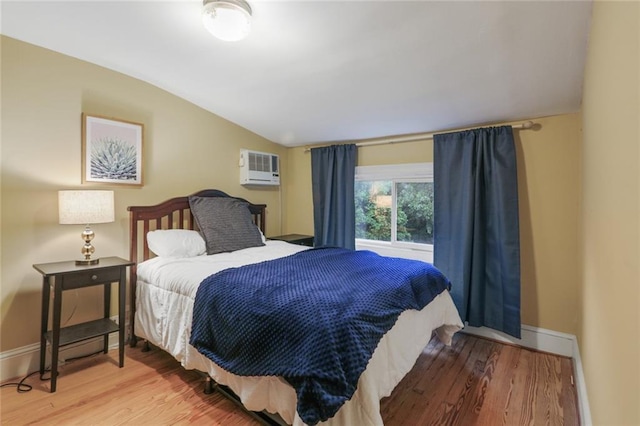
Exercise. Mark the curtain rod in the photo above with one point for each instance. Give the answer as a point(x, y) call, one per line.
point(421, 136)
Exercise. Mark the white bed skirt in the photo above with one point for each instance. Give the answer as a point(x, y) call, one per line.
point(164, 319)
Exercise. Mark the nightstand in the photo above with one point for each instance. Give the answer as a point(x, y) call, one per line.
point(301, 240)
point(68, 276)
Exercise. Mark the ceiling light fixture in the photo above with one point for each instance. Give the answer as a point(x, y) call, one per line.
point(228, 20)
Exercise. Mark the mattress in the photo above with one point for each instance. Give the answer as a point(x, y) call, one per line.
point(165, 295)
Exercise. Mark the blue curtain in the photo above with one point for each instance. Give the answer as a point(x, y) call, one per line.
point(476, 229)
point(333, 170)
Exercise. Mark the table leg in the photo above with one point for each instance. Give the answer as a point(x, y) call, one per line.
point(122, 297)
point(107, 311)
point(44, 322)
point(55, 335)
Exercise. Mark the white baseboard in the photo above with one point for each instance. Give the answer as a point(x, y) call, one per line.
point(549, 341)
point(531, 337)
point(581, 386)
point(17, 363)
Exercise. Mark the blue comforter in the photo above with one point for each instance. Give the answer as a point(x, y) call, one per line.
point(313, 318)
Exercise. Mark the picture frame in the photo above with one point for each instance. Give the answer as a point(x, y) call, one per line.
point(111, 151)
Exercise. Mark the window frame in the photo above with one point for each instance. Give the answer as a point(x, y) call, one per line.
point(407, 172)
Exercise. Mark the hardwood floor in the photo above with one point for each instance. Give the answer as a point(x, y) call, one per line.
point(151, 388)
point(473, 382)
point(481, 382)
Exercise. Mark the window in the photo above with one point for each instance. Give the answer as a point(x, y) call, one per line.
point(394, 209)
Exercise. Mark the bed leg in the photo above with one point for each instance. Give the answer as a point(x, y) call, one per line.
point(133, 341)
point(208, 386)
point(146, 347)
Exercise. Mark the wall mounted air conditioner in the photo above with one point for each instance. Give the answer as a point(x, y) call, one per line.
point(259, 168)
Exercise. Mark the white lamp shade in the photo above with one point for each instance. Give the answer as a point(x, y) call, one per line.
point(228, 20)
point(85, 207)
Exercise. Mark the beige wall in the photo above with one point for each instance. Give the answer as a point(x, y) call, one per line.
point(549, 187)
point(43, 95)
point(609, 336)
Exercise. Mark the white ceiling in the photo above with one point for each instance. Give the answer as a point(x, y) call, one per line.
point(320, 71)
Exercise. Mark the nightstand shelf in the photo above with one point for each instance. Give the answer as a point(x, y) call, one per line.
point(87, 330)
point(301, 240)
point(60, 276)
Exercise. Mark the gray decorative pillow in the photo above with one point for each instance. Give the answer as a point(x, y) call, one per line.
point(225, 224)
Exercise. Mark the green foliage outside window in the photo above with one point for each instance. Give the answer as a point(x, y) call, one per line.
point(373, 222)
point(415, 212)
point(414, 201)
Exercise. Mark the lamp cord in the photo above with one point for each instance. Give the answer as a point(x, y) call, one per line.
point(22, 387)
point(73, 311)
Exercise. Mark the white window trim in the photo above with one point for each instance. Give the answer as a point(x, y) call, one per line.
point(416, 171)
point(385, 248)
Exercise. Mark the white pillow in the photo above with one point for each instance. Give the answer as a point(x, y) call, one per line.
point(176, 243)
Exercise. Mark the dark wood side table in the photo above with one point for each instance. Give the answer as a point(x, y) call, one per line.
point(301, 240)
point(68, 276)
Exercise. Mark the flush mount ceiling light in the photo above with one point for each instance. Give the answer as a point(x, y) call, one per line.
point(228, 20)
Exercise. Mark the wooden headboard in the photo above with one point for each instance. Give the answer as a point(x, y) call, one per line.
point(170, 214)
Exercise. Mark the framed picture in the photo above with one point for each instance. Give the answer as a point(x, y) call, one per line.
point(111, 151)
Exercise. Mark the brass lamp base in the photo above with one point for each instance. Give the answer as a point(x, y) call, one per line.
point(87, 249)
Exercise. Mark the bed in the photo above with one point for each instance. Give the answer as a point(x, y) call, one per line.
point(163, 292)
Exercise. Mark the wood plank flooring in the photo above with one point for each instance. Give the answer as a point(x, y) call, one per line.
point(481, 382)
point(473, 382)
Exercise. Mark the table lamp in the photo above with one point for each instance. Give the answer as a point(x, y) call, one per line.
point(85, 207)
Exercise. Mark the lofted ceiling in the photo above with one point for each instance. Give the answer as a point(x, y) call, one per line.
point(323, 71)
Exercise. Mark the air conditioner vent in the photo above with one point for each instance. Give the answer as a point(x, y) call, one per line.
point(259, 168)
point(259, 162)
